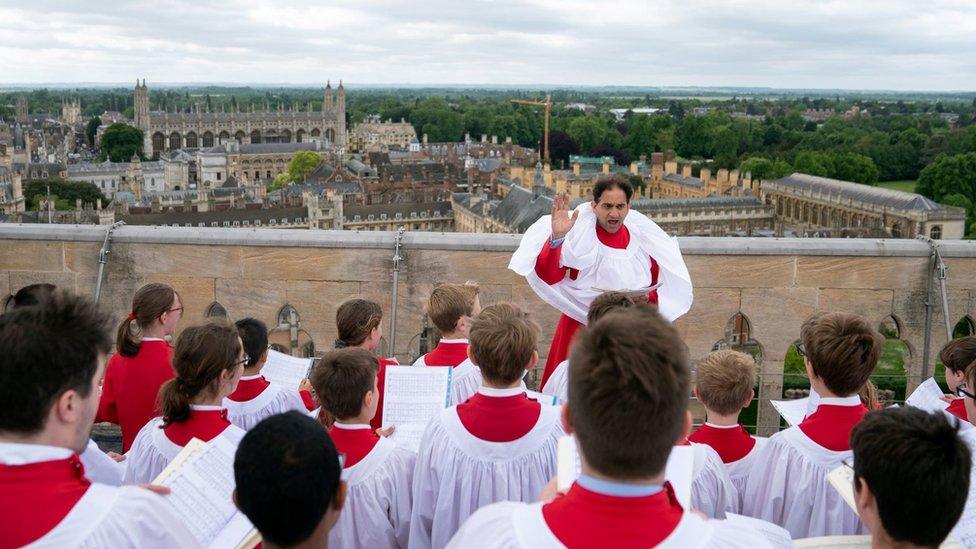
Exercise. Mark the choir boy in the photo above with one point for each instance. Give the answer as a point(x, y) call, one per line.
point(497, 446)
point(628, 407)
point(788, 482)
point(376, 470)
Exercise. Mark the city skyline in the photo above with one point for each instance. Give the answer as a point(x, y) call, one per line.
point(782, 45)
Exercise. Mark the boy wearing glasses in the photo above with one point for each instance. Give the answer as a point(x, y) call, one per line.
point(255, 397)
point(452, 308)
point(956, 355)
point(788, 483)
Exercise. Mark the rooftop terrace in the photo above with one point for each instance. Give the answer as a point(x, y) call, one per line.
point(749, 293)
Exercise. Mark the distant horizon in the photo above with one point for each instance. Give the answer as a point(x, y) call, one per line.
point(12, 86)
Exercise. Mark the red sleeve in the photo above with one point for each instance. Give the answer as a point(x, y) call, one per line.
point(547, 264)
point(655, 269)
point(377, 420)
point(307, 399)
point(107, 407)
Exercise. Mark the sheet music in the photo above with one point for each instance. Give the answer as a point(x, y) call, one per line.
point(965, 530)
point(678, 471)
point(201, 484)
point(842, 479)
point(285, 369)
point(777, 536)
point(793, 411)
point(834, 542)
point(634, 293)
point(411, 397)
point(928, 396)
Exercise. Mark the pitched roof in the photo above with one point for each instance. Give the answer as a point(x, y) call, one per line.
point(847, 190)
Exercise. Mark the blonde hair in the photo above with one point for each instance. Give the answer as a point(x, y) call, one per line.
point(724, 380)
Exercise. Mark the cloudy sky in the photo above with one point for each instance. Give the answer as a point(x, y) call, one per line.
point(860, 44)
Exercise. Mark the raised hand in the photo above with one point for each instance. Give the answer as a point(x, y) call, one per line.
point(561, 220)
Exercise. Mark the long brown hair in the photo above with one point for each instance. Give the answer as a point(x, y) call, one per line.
point(355, 319)
point(149, 303)
point(202, 353)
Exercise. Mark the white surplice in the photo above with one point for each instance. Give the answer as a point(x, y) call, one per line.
point(152, 451)
point(558, 383)
point(377, 509)
point(740, 470)
point(511, 525)
point(275, 399)
point(712, 491)
point(457, 473)
point(788, 486)
point(603, 268)
point(99, 467)
point(105, 516)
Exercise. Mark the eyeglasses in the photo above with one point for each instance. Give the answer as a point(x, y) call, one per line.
point(180, 309)
point(962, 392)
point(800, 350)
point(243, 361)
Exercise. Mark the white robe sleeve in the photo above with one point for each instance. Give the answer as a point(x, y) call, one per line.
point(558, 383)
point(465, 381)
point(739, 470)
point(100, 468)
point(490, 528)
point(712, 491)
point(377, 510)
point(456, 473)
point(276, 399)
point(788, 486)
point(119, 517)
point(150, 453)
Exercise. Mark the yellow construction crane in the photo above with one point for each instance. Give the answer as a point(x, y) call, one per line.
point(545, 133)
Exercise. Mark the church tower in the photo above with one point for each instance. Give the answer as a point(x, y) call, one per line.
point(341, 115)
point(327, 102)
point(21, 115)
point(140, 103)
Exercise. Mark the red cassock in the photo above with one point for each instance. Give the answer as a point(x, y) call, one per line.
point(548, 268)
point(131, 387)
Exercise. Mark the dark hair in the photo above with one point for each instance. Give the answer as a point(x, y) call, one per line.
point(287, 475)
point(606, 302)
point(33, 294)
point(502, 340)
point(607, 182)
point(254, 336)
point(342, 378)
point(149, 303)
point(917, 467)
point(47, 350)
point(959, 353)
point(355, 319)
point(202, 353)
point(628, 392)
point(843, 350)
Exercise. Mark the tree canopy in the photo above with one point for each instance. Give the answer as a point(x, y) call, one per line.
point(300, 165)
point(120, 142)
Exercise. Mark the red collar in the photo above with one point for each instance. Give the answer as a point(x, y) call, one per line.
point(619, 239)
point(499, 419)
point(35, 497)
point(202, 424)
point(356, 444)
point(732, 444)
point(958, 408)
point(249, 389)
point(447, 354)
point(583, 518)
point(830, 425)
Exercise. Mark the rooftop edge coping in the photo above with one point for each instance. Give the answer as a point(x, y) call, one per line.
point(492, 242)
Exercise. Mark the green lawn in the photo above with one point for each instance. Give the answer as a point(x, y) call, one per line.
point(907, 185)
